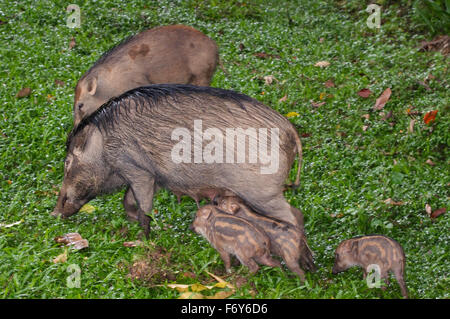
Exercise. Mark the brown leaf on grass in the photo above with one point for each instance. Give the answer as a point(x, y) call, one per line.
point(411, 126)
point(283, 99)
point(189, 274)
point(60, 258)
point(72, 239)
point(241, 46)
point(382, 100)
point(23, 93)
point(390, 201)
point(428, 209)
point(268, 79)
point(59, 83)
point(430, 162)
point(317, 104)
point(366, 116)
point(72, 43)
point(438, 212)
point(430, 117)
point(365, 127)
point(135, 243)
point(387, 116)
point(365, 93)
point(221, 294)
point(440, 43)
point(322, 64)
point(329, 84)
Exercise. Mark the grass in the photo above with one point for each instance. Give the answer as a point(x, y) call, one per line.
point(348, 172)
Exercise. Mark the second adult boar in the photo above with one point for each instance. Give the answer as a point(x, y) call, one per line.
point(137, 140)
point(167, 54)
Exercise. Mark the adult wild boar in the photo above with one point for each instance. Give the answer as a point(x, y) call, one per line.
point(142, 139)
point(167, 54)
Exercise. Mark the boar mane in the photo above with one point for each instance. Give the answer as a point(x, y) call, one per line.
point(149, 96)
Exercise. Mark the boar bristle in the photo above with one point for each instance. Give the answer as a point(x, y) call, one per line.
point(149, 96)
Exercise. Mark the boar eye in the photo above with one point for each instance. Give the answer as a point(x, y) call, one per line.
point(80, 106)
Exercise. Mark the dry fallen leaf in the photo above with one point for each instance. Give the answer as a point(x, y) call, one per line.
point(72, 239)
point(428, 209)
point(72, 43)
point(430, 116)
point(61, 258)
point(365, 93)
point(292, 114)
point(135, 243)
point(317, 104)
point(430, 162)
point(87, 208)
point(59, 83)
point(365, 127)
point(411, 126)
point(221, 294)
point(268, 79)
point(366, 116)
point(390, 201)
point(382, 100)
point(23, 93)
point(322, 64)
point(191, 295)
point(438, 212)
point(329, 84)
point(283, 99)
point(10, 225)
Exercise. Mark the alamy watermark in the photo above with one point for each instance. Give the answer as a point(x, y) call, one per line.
point(74, 279)
point(74, 19)
point(221, 149)
point(373, 272)
point(374, 19)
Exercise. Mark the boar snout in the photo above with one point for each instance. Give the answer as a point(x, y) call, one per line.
point(65, 206)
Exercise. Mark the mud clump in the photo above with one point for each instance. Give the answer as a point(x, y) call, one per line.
point(152, 268)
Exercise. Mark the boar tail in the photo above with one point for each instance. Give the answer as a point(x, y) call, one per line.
point(299, 150)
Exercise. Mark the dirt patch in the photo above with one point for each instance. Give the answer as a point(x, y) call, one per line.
point(440, 43)
point(154, 267)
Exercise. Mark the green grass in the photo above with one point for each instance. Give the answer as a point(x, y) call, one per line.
point(347, 172)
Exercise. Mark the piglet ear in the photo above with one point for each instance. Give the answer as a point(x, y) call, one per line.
point(234, 208)
point(207, 212)
point(92, 85)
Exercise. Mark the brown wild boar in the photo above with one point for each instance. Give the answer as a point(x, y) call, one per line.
point(286, 241)
point(231, 235)
point(132, 141)
point(374, 249)
point(166, 54)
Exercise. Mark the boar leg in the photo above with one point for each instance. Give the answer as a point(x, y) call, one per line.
point(267, 260)
point(401, 282)
point(143, 188)
point(292, 264)
point(251, 264)
point(226, 259)
point(130, 205)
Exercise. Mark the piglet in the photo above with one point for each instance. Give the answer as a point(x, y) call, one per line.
point(375, 249)
point(286, 241)
point(231, 235)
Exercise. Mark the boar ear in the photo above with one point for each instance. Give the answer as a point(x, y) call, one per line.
point(91, 85)
point(354, 246)
point(207, 213)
